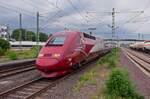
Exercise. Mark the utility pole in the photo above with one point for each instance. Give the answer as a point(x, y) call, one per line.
point(142, 36)
point(37, 37)
point(8, 31)
point(139, 36)
point(25, 35)
point(20, 34)
point(114, 36)
point(113, 24)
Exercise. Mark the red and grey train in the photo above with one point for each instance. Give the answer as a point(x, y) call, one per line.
point(65, 51)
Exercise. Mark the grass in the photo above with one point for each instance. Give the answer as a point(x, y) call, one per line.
point(119, 85)
point(86, 78)
point(89, 77)
point(21, 54)
point(111, 59)
point(12, 55)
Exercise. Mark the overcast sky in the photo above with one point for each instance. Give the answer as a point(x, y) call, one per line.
point(55, 15)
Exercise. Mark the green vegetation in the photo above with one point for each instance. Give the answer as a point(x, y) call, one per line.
point(19, 54)
point(4, 46)
point(12, 55)
point(43, 37)
point(22, 54)
point(111, 59)
point(1, 51)
point(28, 35)
point(119, 85)
point(87, 77)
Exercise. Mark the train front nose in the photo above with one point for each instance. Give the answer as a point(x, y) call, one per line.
point(46, 64)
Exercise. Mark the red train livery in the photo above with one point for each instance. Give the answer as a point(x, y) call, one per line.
point(67, 50)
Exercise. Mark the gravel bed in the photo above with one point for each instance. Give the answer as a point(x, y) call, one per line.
point(141, 81)
point(65, 89)
point(16, 80)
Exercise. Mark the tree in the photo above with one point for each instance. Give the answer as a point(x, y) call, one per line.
point(30, 36)
point(43, 37)
point(16, 34)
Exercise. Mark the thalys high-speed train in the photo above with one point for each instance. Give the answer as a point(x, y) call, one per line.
point(67, 50)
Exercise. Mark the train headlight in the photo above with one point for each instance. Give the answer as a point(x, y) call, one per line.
point(56, 55)
point(40, 55)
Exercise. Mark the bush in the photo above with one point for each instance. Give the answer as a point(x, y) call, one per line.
point(12, 55)
point(110, 59)
point(4, 44)
point(1, 51)
point(119, 84)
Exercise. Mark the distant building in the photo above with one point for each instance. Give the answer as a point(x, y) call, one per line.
point(4, 32)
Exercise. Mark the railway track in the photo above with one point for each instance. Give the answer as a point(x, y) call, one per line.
point(33, 88)
point(141, 52)
point(16, 70)
point(140, 60)
point(26, 90)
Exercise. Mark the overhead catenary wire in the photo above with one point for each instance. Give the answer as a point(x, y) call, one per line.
point(49, 19)
point(16, 11)
point(130, 20)
point(34, 4)
point(140, 13)
point(84, 17)
point(87, 15)
point(146, 7)
point(56, 6)
point(76, 9)
point(18, 8)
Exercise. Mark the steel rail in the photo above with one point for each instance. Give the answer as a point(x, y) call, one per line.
point(137, 59)
point(16, 70)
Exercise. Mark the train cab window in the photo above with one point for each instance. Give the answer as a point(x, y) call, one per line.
point(56, 41)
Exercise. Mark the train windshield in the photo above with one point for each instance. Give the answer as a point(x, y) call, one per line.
point(58, 41)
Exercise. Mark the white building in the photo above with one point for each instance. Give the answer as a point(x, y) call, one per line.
point(4, 32)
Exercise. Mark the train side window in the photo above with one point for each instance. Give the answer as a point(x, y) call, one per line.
point(89, 36)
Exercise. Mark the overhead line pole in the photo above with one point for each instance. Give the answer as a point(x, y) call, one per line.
point(114, 35)
point(113, 26)
point(37, 37)
point(113, 23)
point(20, 34)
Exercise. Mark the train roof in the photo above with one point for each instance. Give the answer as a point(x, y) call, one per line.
point(71, 32)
